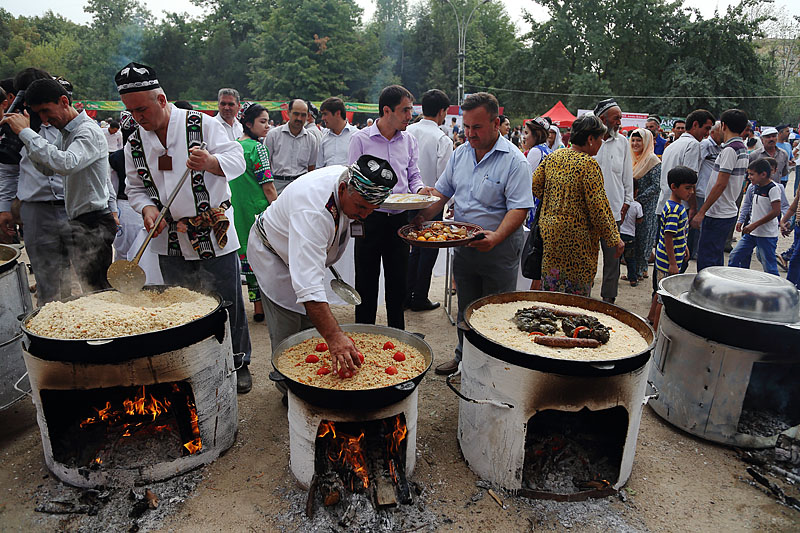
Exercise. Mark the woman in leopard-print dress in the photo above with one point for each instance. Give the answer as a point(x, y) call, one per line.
point(575, 212)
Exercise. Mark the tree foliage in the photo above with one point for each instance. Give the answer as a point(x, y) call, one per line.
point(656, 50)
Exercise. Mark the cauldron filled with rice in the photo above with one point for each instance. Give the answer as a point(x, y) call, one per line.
point(108, 326)
point(493, 325)
point(395, 361)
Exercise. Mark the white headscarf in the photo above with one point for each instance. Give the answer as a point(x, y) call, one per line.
point(647, 159)
point(557, 142)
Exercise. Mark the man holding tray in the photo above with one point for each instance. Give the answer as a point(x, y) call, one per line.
point(490, 181)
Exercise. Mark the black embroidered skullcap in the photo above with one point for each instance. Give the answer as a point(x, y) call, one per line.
point(781, 126)
point(604, 106)
point(135, 77)
point(373, 178)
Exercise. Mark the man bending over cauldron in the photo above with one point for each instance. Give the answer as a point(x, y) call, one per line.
point(300, 235)
point(194, 247)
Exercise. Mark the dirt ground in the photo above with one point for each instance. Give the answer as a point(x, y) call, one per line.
point(678, 483)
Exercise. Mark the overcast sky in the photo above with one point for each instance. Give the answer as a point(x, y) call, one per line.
point(73, 9)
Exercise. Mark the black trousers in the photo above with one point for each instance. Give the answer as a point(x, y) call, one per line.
point(90, 249)
point(381, 243)
point(222, 275)
point(420, 269)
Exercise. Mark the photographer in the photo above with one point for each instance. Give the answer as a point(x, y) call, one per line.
point(42, 208)
point(79, 153)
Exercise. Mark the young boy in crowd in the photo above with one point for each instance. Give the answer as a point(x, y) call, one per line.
point(627, 232)
point(747, 206)
point(717, 216)
point(672, 235)
point(762, 229)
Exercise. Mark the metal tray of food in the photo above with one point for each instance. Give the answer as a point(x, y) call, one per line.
point(408, 201)
point(440, 234)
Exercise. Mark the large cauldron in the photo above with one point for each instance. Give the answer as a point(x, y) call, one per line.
point(608, 367)
point(119, 349)
point(354, 399)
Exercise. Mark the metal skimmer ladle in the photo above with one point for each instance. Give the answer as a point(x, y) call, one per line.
point(344, 291)
point(127, 276)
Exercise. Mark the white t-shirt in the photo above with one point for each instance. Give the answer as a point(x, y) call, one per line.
point(762, 205)
point(628, 226)
point(734, 162)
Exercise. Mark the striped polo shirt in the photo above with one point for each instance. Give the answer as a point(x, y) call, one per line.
point(676, 221)
point(733, 160)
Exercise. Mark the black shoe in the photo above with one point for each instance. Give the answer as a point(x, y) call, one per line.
point(258, 317)
point(424, 305)
point(244, 381)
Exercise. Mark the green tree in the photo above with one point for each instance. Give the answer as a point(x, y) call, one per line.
point(311, 49)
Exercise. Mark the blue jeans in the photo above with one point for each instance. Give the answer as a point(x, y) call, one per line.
point(740, 256)
point(794, 261)
point(711, 246)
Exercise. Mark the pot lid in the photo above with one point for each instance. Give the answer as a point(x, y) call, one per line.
point(745, 293)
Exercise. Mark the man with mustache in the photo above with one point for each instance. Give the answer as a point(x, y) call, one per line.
point(300, 235)
point(292, 147)
point(386, 138)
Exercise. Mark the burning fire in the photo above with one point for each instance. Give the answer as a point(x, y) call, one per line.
point(395, 437)
point(344, 450)
point(144, 405)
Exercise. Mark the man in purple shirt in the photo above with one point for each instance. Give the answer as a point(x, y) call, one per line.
point(387, 139)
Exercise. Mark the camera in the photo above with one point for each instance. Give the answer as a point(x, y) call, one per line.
point(10, 143)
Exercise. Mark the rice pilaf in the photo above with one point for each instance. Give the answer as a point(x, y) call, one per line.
point(111, 314)
point(372, 374)
point(494, 321)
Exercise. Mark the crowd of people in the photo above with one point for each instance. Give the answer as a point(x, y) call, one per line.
point(276, 205)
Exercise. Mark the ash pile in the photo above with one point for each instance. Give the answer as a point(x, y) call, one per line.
point(356, 512)
point(776, 470)
point(120, 509)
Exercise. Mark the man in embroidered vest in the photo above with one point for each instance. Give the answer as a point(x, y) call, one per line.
point(194, 247)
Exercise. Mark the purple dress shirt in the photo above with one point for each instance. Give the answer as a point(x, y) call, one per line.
point(401, 152)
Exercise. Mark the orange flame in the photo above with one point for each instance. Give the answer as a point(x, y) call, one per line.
point(146, 405)
point(195, 445)
point(346, 449)
point(396, 437)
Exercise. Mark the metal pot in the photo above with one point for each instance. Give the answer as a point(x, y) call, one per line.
point(8, 257)
point(354, 399)
point(721, 326)
point(552, 365)
point(746, 293)
point(118, 349)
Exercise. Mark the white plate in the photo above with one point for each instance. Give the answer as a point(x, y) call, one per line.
point(408, 201)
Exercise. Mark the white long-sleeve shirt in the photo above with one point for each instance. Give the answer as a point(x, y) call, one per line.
point(683, 152)
point(333, 148)
point(435, 149)
point(308, 231)
point(614, 158)
point(229, 154)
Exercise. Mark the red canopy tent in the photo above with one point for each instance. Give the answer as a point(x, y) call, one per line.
point(560, 115)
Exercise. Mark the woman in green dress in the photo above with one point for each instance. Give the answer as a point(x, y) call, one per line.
point(252, 192)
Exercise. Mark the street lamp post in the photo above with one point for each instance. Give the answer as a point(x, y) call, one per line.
point(462, 44)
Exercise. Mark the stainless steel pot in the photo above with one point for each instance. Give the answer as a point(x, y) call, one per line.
point(746, 293)
point(16, 301)
point(725, 325)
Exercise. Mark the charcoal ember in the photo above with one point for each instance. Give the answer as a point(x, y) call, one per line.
point(533, 319)
point(594, 328)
